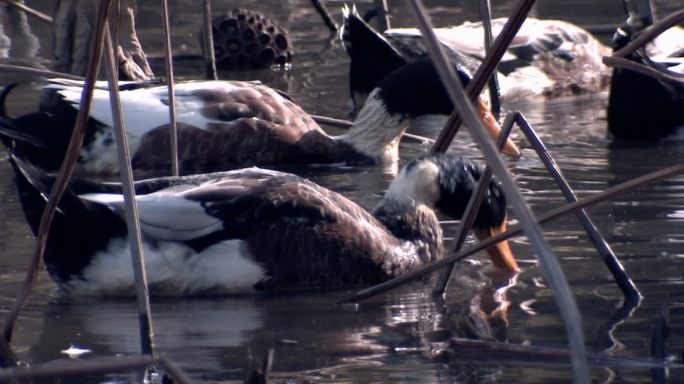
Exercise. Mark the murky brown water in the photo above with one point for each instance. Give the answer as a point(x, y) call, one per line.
point(396, 337)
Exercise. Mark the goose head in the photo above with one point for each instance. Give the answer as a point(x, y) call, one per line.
point(446, 183)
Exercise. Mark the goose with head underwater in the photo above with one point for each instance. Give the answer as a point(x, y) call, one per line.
point(546, 59)
point(642, 107)
point(225, 125)
point(255, 230)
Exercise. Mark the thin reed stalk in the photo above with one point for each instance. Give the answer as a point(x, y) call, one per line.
point(611, 261)
point(37, 14)
point(7, 356)
point(494, 91)
point(38, 72)
point(486, 69)
point(619, 62)
point(170, 84)
point(209, 53)
point(132, 221)
point(549, 263)
point(94, 365)
point(339, 123)
point(383, 16)
point(469, 217)
point(65, 171)
point(618, 58)
point(327, 19)
point(650, 33)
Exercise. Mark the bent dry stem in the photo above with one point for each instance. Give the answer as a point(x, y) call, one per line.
point(618, 58)
point(171, 94)
point(132, 220)
point(549, 263)
point(623, 280)
point(485, 71)
point(65, 171)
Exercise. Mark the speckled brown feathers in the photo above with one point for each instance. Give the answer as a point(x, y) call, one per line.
point(246, 142)
point(222, 125)
point(255, 126)
point(308, 236)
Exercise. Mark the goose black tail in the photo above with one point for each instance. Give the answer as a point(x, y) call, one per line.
point(43, 136)
point(34, 186)
point(3, 98)
point(9, 131)
point(79, 228)
point(372, 56)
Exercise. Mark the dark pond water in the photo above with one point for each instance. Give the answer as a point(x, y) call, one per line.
point(401, 336)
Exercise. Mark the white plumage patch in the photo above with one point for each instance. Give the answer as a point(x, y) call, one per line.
point(141, 111)
point(165, 215)
point(173, 269)
point(375, 132)
point(147, 108)
point(416, 183)
point(524, 83)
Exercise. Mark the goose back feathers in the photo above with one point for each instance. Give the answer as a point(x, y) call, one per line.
point(221, 125)
point(225, 125)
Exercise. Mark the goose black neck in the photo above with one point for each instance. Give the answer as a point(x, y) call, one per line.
point(416, 90)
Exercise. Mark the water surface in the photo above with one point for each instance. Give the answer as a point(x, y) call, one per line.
point(402, 336)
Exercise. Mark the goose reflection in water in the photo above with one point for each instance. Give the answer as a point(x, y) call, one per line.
point(215, 335)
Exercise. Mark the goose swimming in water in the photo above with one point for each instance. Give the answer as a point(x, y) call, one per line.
point(253, 230)
point(641, 107)
point(225, 125)
point(547, 58)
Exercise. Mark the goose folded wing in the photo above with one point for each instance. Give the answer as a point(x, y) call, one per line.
point(234, 206)
point(247, 206)
point(10, 131)
point(164, 215)
point(141, 110)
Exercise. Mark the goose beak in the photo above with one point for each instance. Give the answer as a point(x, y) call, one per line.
point(494, 129)
point(500, 254)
